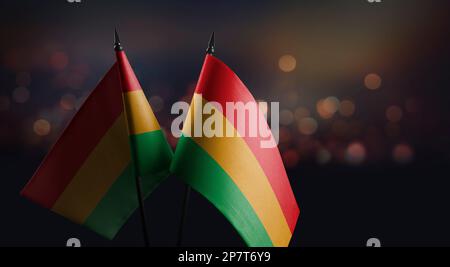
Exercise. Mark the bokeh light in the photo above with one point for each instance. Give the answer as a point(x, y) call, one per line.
point(402, 153)
point(286, 117)
point(355, 153)
point(287, 63)
point(372, 81)
point(21, 94)
point(68, 102)
point(322, 111)
point(394, 113)
point(301, 112)
point(41, 127)
point(347, 108)
point(59, 60)
point(323, 156)
point(331, 104)
point(307, 126)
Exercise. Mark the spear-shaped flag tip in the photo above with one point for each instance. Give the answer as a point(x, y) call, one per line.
point(117, 45)
point(210, 49)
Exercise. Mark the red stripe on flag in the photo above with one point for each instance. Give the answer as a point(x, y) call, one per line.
point(219, 83)
point(92, 121)
point(128, 79)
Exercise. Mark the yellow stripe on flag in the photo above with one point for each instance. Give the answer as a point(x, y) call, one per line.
point(140, 116)
point(100, 170)
point(238, 161)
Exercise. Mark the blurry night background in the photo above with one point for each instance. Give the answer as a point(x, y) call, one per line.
point(364, 108)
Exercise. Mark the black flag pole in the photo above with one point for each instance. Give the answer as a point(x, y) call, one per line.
point(118, 47)
point(211, 44)
point(187, 192)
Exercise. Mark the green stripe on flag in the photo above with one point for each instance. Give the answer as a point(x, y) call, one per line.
point(200, 171)
point(151, 152)
point(153, 156)
point(120, 202)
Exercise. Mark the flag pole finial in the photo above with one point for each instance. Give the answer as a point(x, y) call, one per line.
point(211, 45)
point(117, 45)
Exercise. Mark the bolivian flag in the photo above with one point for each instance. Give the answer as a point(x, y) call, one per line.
point(88, 175)
point(246, 182)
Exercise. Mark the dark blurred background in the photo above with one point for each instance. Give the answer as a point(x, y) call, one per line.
point(363, 90)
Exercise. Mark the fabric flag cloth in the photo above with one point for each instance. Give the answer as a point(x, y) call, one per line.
point(247, 183)
point(88, 175)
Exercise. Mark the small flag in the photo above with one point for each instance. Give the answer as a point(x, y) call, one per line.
point(88, 175)
point(245, 181)
point(150, 150)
